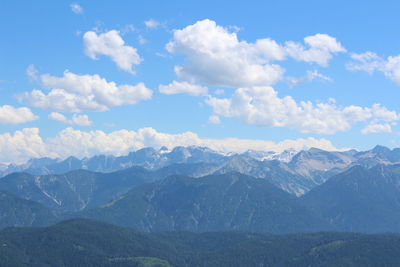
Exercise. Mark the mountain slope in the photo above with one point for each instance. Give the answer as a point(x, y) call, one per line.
point(378, 155)
point(317, 165)
point(360, 199)
point(74, 190)
point(230, 201)
point(15, 211)
point(90, 243)
point(274, 171)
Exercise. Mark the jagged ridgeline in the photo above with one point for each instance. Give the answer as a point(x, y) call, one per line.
point(294, 172)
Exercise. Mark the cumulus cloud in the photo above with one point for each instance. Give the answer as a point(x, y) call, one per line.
point(371, 62)
point(81, 120)
point(13, 115)
point(309, 77)
point(183, 88)
point(22, 146)
point(77, 93)
point(112, 45)
point(151, 23)
point(26, 144)
point(374, 127)
point(320, 49)
point(217, 57)
point(261, 106)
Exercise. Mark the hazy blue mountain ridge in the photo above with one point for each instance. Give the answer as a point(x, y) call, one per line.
point(230, 201)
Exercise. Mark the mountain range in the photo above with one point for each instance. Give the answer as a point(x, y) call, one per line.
point(315, 190)
point(294, 172)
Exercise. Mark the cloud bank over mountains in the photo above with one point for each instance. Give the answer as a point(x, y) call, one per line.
point(261, 106)
point(207, 58)
point(20, 146)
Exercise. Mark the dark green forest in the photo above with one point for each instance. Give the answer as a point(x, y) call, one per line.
point(82, 242)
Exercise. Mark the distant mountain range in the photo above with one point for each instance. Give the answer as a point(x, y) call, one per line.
point(199, 190)
point(294, 172)
point(148, 158)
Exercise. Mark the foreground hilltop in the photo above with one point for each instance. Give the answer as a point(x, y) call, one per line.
point(91, 243)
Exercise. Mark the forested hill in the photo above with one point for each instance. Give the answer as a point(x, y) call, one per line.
point(91, 243)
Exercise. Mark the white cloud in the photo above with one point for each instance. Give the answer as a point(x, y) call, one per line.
point(26, 144)
point(112, 45)
point(320, 51)
point(377, 128)
point(217, 57)
point(219, 92)
point(32, 72)
point(57, 117)
point(261, 106)
point(367, 61)
point(22, 146)
point(127, 29)
point(371, 62)
point(81, 120)
point(309, 77)
point(214, 119)
point(13, 115)
point(142, 40)
point(151, 23)
point(77, 9)
point(77, 93)
point(183, 88)
point(382, 113)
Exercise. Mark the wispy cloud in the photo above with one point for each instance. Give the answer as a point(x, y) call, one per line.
point(152, 24)
point(76, 8)
point(371, 62)
point(309, 77)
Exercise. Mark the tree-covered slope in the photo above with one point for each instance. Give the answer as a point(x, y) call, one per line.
point(74, 190)
point(360, 199)
point(231, 201)
point(15, 211)
point(90, 243)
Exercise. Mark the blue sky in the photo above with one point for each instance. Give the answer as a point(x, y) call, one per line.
point(91, 77)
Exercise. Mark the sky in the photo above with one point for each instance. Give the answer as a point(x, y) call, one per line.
point(108, 77)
